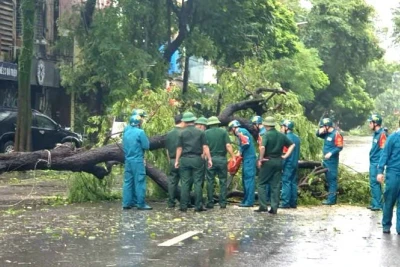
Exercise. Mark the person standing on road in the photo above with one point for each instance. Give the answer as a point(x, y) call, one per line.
point(191, 145)
point(270, 163)
point(259, 127)
point(290, 166)
point(171, 144)
point(378, 142)
point(333, 144)
point(135, 142)
point(390, 158)
point(248, 152)
point(219, 144)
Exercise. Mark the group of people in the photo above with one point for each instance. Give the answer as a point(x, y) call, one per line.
point(197, 151)
point(385, 155)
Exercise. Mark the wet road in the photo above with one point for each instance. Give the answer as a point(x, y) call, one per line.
point(103, 235)
point(100, 234)
point(355, 153)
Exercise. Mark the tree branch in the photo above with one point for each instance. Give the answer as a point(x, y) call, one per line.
point(227, 114)
point(87, 15)
point(317, 171)
point(172, 4)
point(258, 91)
point(271, 90)
point(183, 15)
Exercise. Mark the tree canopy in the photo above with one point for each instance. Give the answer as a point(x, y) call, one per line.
point(331, 62)
point(344, 36)
point(396, 24)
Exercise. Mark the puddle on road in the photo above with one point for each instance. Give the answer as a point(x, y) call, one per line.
point(103, 235)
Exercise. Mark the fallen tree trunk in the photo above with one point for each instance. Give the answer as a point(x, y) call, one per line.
point(80, 160)
point(63, 158)
point(304, 164)
point(67, 158)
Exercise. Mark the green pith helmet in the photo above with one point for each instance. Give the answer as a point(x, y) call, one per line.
point(375, 118)
point(135, 120)
point(288, 123)
point(269, 121)
point(202, 120)
point(139, 112)
point(233, 124)
point(256, 120)
point(188, 117)
point(326, 122)
point(213, 120)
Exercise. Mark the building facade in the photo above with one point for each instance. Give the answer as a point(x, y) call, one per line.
point(47, 94)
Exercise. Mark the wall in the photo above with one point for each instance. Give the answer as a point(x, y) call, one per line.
point(201, 71)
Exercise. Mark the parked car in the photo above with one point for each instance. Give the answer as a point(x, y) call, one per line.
point(46, 133)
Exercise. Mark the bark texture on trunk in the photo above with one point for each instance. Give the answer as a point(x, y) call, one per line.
point(24, 120)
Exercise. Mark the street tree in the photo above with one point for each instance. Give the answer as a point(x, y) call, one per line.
point(396, 24)
point(24, 121)
point(378, 76)
point(227, 32)
point(342, 32)
point(124, 44)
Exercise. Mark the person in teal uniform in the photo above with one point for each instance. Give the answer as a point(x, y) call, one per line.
point(248, 152)
point(290, 166)
point(378, 143)
point(333, 144)
point(390, 158)
point(134, 142)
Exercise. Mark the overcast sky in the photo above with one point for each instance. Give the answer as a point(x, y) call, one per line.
point(384, 21)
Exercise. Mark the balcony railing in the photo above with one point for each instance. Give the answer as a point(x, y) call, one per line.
point(6, 26)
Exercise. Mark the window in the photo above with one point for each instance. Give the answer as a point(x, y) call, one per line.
point(40, 20)
point(44, 123)
point(18, 19)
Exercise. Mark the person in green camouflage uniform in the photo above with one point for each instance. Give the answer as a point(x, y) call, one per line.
point(219, 144)
point(201, 124)
point(191, 145)
point(271, 164)
point(171, 143)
